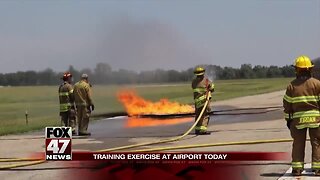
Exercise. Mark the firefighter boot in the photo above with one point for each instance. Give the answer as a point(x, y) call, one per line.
point(296, 172)
point(205, 133)
point(84, 134)
point(197, 132)
point(316, 172)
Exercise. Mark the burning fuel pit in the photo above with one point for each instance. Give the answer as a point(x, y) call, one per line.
point(136, 106)
point(144, 113)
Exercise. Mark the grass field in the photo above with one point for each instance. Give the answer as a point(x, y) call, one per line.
point(41, 102)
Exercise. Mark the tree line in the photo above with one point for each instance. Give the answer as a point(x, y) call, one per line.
point(104, 74)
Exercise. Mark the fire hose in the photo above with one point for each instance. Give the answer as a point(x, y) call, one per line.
point(33, 162)
point(177, 138)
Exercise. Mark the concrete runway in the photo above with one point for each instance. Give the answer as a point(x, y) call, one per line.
point(115, 132)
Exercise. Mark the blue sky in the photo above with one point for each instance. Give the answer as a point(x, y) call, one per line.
point(150, 34)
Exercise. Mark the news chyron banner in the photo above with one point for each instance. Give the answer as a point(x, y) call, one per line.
point(173, 165)
point(178, 157)
point(143, 165)
point(58, 146)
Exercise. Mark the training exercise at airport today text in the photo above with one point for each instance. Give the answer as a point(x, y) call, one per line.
point(191, 156)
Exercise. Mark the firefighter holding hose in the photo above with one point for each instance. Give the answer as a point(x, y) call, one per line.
point(202, 89)
point(301, 108)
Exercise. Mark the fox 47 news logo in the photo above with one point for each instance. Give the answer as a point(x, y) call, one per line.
point(58, 143)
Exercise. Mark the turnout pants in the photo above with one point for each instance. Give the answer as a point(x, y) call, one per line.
point(83, 115)
point(69, 119)
point(204, 120)
point(298, 147)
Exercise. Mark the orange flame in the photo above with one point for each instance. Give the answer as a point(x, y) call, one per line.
point(136, 105)
point(149, 122)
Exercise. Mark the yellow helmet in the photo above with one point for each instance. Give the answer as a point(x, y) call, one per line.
point(303, 62)
point(199, 71)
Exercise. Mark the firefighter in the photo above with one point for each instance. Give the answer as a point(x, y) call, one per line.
point(83, 100)
point(66, 99)
point(202, 87)
point(301, 108)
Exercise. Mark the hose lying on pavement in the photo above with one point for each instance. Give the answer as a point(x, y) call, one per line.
point(215, 112)
point(245, 113)
point(17, 159)
point(34, 162)
point(251, 108)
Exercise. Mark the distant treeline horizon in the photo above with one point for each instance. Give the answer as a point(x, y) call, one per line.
point(103, 74)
